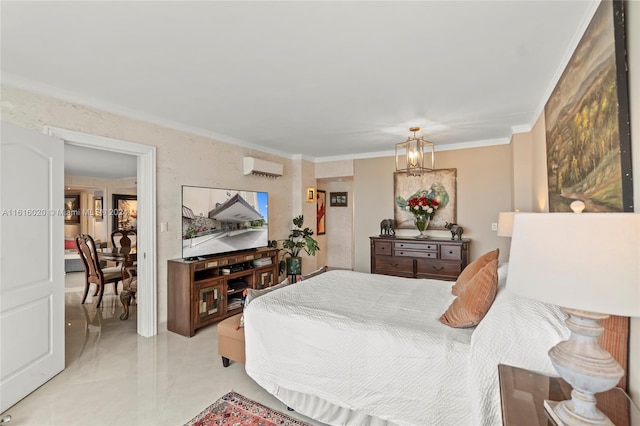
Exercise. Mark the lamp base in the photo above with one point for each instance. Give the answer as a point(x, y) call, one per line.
point(587, 367)
point(563, 417)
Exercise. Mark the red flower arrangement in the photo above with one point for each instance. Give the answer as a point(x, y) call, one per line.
point(422, 207)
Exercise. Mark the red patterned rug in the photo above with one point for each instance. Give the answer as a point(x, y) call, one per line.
point(234, 409)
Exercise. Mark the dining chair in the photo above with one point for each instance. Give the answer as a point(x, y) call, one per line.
point(124, 238)
point(93, 271)
point(129, 290)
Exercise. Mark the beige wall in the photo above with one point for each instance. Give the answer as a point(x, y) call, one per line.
point(339, 224)
point(522, 147)
point(182, 159)
point(540, 194)
point(334, 169)
point(529, 155)
point(484, 188)
point(303, 178)
point(337, 243)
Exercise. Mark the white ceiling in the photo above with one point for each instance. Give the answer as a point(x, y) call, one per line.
point(323, 79)
point(81, 161)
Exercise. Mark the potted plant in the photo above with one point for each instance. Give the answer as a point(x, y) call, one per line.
point(299, 239)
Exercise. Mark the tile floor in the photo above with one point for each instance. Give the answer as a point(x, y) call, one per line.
point(115, 377)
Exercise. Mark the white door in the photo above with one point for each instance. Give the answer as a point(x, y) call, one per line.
point(31, 261)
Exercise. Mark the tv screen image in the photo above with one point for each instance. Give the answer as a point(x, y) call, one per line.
point(218, 220)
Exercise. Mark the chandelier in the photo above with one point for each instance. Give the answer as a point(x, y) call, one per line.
point(410, 154)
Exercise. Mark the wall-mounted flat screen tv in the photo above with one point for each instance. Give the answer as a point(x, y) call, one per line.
point(219, 220)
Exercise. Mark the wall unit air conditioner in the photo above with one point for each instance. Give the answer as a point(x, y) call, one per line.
point(258, 167)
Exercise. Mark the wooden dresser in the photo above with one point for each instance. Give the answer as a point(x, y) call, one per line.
point(436, 258)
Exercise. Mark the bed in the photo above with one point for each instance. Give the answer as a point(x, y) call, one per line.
point(353, 348)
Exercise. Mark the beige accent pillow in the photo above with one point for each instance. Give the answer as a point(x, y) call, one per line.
point(474, 302)
point(253, 294)
point(314, 273)
point(472, 269)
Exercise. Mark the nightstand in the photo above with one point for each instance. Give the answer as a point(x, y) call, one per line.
point(522, 395)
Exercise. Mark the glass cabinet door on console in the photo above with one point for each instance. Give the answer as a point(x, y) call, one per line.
point(209, 302)
point(264, 278)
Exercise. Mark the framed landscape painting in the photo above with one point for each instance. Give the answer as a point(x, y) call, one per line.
point(437, 184)
point(587, 121)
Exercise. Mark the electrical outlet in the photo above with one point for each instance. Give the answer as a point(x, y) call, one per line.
point(164, 226)
point(494, 226)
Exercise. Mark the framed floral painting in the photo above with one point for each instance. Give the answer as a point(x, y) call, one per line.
point(439, 185)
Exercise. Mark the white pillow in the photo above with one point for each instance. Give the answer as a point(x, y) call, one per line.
point(314, 273)
point(503, 268)
point(253, 293)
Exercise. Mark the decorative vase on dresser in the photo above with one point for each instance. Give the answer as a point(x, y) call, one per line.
point(422, 223)
point(436, 258)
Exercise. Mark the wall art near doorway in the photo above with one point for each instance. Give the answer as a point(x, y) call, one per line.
point(71, 208)
point(321, 210)
point(125, 212)
point(98, 211)
point(338, 199)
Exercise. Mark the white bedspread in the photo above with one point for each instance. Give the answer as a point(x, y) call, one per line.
point(383, 350)
point(516, 331)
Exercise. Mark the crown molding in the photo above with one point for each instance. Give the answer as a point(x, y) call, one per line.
point(11, 80)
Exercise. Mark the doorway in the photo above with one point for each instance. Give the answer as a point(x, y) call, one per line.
point(146, 181)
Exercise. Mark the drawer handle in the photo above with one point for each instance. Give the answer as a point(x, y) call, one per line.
point(450, 252)
point(438, 268)
point(401, 253)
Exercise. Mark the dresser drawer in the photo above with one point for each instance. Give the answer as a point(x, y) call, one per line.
point(427, 268)
point(383, 248)
point(450, 252)
point(398, 264)
point(417, 254)
point(415, 246)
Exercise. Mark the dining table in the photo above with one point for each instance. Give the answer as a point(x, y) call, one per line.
point(126, 258)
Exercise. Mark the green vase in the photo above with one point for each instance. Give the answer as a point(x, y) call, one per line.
point(294, 266)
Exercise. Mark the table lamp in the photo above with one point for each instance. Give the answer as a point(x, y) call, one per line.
point(589, 265)
point(505, 224)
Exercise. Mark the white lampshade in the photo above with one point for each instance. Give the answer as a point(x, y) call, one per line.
point(587, 261)
point(505, 224)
